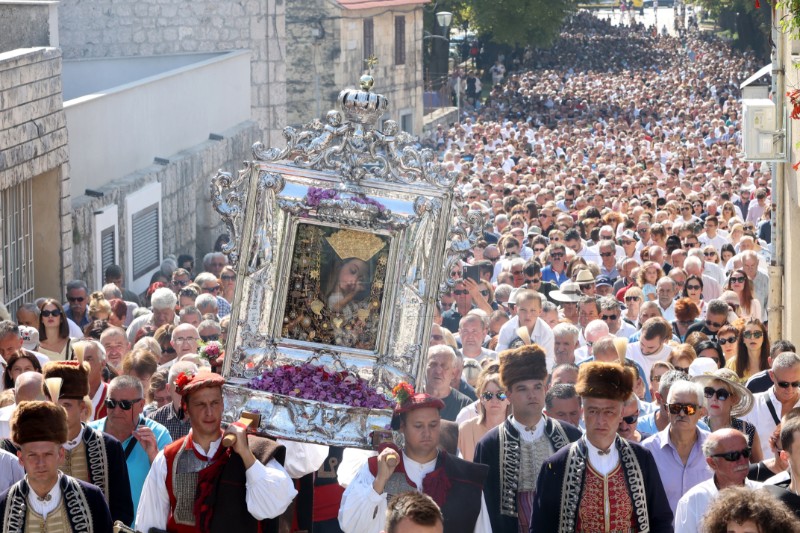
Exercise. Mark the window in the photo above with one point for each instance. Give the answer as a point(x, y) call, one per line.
point(369, 38)
point(400, 40)
point(16, 242)
point(146, 248)
point(106, 241)
point(407, 122)
point(143, 240)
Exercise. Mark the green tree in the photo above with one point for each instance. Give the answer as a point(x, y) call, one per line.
point(520, 22)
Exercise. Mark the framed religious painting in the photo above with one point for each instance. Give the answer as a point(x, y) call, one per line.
point(341, 241)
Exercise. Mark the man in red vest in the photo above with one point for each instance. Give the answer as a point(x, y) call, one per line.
point(184, 490)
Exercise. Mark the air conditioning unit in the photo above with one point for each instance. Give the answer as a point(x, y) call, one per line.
point(761, 142)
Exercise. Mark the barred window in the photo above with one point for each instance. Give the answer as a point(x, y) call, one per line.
point(369, 37)
point(400, 40)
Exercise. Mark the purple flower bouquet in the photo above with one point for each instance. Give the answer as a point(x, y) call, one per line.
point(313, 382)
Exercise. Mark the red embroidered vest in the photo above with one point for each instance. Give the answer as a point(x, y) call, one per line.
point(606, 506)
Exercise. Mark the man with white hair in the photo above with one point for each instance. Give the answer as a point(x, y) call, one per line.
point(665, 290)
point(438, 374)
point(759, 278)
point(678, 449)
point(116, 346)
point(95, 355)
point(728, 456)
point(207, 304)
point(209, 284)
point(214, 262)
point(163, 303)
point(566, 341)
point(594, 331)
point(27, 387)
point(186, 341)
point(171, 416)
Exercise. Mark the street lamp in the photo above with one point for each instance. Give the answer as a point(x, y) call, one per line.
point(444, 18)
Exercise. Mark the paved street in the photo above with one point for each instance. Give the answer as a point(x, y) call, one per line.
point(665, 17)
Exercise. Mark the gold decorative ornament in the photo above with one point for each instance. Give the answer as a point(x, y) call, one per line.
point(358, 244)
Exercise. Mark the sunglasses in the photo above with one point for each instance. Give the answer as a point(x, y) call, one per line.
point(721, 394)
point(787, 384)
point(500, 395)
point(125, 405)
point(538, 250)
point(693, 287)
point(677, 408)
point(211, 289)
point(534, 281)
point(632, 298)
point(460, 292)
point(492, 259)
point(606, 254)
point(75, 299)
point(55, 312)
point(630, 420)
point(180, 282)
point(557, 255)
point(208, 338)
point(752, 334)
point(609, 317)
point(715, 324)
point(709, 254)
point(728, 340)
point(684, 369)
point(228, 278)
point(734, 456)
point(738, 279)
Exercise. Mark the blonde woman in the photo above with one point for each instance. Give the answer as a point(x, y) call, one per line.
point(492, 411)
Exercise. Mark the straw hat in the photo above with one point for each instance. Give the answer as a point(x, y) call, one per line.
point(585, 277)
point(728, 376)
point(569, 292)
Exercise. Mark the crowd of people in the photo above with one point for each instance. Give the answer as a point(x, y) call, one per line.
point(601, 362)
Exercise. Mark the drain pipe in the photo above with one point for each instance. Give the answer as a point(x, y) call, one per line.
point(778, 196)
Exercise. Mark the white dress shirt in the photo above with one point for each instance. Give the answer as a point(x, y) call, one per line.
point(364, 511)
point(270, 490)
point(541, 335)
point(694, 504)
point(48, 504)
point(603, 464)
point(761, 417)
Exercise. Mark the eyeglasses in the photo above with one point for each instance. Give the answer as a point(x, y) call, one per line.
point(632, 298)
point(727, 340)
point(460, 292)
point(626, 243)
point(180, 282)
point(738, 279)
point(691, 244)
point(208, 338)
point(606, 254)
point(721, 394)
point(714, 324)
point(500, 395)
point(693, 287)
point(181, 340)
point(75, 298)
point(557, 255)
point(734, 456)
point(630, 420)
point(125, 405)
point(684, 369)
point(538, 249)
point(533, 281)
point(678, 408)
point(55, 312)
point(228, 278)
point(168, 350)
point(752, 334)
point(709, 254)
point(492, 259)
point(437, 338)
point(609, 317)
point(211, 289)
point(787, 384)
point(516, 272)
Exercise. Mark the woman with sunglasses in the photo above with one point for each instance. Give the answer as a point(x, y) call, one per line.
point(710, 254)
point(693, 290)
point(752, 354)
point(54, 340)
point(739, 283)
point(227, 278)
point(493, 410)
point(726, 402)
point(633, 301)
point(728, 341)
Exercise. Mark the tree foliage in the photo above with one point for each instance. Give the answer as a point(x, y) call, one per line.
point(520, 22)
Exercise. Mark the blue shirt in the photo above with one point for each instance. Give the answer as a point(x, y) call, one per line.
point(548, 274)
point(138, 462)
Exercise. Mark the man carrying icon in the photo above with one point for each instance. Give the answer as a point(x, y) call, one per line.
point(516, 450)
point(46, 499)
point(197, 484)
point(454, 484)
point(602, 482)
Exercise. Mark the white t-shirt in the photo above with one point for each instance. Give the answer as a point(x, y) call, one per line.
point(634, 353)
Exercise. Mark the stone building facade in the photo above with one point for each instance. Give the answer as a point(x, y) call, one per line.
point(35, 225)
point(122, 28)
point(330, 41)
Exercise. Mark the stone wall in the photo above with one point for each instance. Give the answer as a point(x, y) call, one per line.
point(33, 137)
point(327, 55)
point(190, 225)
point(119, 28)
point(26, 25)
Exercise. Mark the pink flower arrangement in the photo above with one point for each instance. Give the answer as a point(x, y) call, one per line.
point(211, 350)
point(313, 382)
